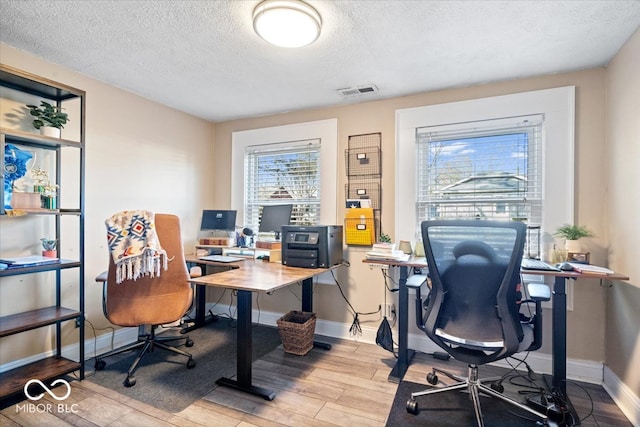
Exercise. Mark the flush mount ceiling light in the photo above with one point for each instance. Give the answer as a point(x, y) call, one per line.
point(287, 23)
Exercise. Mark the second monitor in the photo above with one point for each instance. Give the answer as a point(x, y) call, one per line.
point(274, 217)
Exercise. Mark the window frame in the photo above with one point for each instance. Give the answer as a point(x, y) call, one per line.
point(558, 107)
point(324, 130)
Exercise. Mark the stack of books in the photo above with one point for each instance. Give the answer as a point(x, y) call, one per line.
point(386, 251)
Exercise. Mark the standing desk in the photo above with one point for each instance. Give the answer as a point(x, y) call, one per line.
point(405, 354)
point(257, 276)
point(200, 319)
point(559, 319)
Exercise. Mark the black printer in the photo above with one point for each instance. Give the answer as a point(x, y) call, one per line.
point(312, 246)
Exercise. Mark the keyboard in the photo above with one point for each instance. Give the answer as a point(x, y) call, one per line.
point(221, 258)
point(536, 264)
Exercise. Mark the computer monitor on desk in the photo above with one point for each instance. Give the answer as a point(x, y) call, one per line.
point(219, 223)
point(274, 217)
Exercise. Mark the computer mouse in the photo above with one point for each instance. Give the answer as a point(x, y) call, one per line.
point(565, 266)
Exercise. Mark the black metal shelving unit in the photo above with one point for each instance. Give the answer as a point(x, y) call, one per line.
point(13, 381)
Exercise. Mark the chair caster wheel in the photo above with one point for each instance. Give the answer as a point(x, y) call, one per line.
point(432, 378)
point(497, 387)
point(189, 342)
point(100, 365)
point(412, 407)
point(191, 364)
point(130, 382)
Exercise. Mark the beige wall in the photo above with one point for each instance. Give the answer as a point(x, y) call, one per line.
point(365, 287)
point(139, 155)
point(623, 202)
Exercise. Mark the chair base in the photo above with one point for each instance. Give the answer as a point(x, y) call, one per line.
point(148, 342)
point(474, 386)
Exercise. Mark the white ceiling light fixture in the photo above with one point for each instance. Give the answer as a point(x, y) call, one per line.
point(287, 23)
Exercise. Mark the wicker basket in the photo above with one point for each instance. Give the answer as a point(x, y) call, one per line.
point(296, 329)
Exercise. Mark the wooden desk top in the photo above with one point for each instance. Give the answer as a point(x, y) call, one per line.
point(576, 275)
point(421, 262)
point(258, 276)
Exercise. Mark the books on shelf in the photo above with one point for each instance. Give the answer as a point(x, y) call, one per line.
point(26, 261)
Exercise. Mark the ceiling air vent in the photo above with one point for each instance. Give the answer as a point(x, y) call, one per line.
point(358, 90)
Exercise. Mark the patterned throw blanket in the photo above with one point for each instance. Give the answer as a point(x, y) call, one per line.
point(134, 245)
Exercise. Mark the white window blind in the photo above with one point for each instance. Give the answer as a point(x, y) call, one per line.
point(490, 169)
point(283, 173)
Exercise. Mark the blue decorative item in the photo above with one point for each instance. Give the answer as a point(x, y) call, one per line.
point(15, 167)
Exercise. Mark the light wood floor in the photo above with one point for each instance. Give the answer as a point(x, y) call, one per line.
point(346, 386)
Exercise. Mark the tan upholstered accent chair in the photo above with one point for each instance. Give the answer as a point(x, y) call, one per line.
point(151, 301)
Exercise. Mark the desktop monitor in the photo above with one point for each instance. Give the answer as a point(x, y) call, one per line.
point(218, 220)
point(274, 217)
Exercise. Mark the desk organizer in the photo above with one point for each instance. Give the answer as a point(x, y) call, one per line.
point(359, 227)
point(297, 329)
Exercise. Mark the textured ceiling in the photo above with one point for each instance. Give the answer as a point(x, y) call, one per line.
point(203, 57)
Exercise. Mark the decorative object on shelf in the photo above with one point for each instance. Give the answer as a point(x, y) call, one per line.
point(26, 200)
point(41, 178)
point(48, 196)
point(15, 167)
point(571, 234)
point(49, 248)
point(384, 238)
point(48, 118)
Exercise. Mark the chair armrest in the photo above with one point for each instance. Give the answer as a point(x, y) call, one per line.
point(538, 291)
point(102, 277)
point(416, 281)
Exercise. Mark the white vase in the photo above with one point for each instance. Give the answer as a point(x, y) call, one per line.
point(572, 246)
point(50, 131)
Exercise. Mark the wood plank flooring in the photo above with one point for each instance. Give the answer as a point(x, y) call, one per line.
point(346, 387)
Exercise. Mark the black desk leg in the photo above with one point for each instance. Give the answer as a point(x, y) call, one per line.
point(559, 344)
point(245, 352)
point(201, 318)
point(405, 354)
point(307, 306)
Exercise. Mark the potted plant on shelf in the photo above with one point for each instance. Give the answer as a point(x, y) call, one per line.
point(49, 248)
point(48, 118)
point(571, 234)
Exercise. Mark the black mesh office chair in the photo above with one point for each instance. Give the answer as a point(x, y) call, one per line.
point(474, 302)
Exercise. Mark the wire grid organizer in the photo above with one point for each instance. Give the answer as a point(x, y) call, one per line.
point(363, 162)
point(296, 330)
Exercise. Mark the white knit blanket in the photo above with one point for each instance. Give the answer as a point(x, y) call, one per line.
point(134, 245)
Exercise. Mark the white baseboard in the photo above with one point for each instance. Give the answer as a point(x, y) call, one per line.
point(92, 346)
point(623, 396)
point(104, 343)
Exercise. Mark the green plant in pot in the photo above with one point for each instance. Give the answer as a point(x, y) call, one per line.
point(48, 116)
point(571, 234)
point(49, 248)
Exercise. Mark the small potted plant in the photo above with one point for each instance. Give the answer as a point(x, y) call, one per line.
point(48, 118)
point(49, 248)
point(571, 234)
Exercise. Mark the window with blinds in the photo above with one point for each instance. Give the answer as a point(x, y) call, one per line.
point(490, 169)
point(285, 173)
